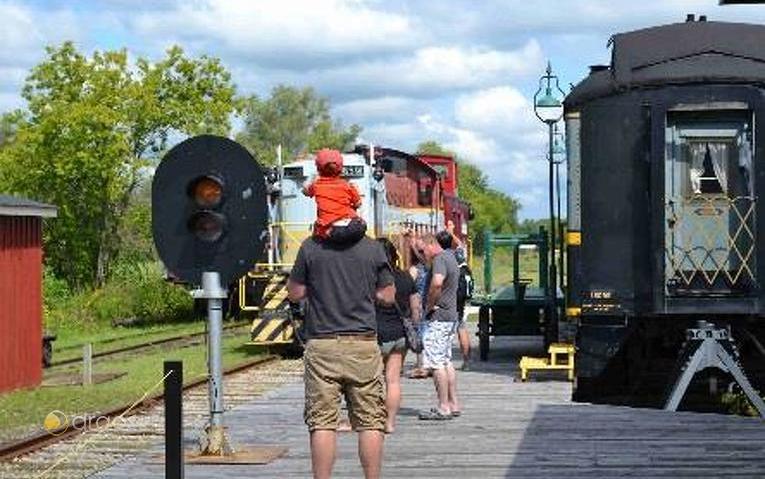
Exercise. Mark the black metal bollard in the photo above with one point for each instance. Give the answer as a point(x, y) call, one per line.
point(173, 420)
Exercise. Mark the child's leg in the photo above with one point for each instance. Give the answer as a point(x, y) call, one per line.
point(353, 232)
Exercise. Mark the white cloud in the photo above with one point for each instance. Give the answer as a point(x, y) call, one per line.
point(381, 109)
point(18, 36)
point(285, 31)
point(433, 71)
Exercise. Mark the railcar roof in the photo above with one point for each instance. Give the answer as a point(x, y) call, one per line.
point(688, 52)
point(364, 150)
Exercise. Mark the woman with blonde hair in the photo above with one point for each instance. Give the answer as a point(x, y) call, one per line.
point(390, 331)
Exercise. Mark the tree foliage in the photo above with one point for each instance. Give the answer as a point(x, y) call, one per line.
point(9, 125)
point(296, 118)
point(494, 211)
point(93, 126)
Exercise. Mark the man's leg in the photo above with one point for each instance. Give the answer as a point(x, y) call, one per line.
point(322, 398)
point(366, 402)
point(441, 380)
point(370, 452)
point(451, 375)
point(464, 339)
point(323, 445)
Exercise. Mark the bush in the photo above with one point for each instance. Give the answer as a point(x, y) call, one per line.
point(136, 293)
point(55, 292)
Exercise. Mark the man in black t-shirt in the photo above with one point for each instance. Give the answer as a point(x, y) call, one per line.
point(341, 284)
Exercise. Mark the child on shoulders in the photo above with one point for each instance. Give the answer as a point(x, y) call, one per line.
point(336, 201)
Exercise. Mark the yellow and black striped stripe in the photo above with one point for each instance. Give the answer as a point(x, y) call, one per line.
point(275, 295)
point(272, 331)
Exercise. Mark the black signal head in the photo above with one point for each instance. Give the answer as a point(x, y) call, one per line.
point(209, 209)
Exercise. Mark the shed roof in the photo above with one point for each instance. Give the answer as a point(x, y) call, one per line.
point(16, 206)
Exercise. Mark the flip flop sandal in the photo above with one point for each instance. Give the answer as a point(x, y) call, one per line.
point(434, 415)
point(456, 413)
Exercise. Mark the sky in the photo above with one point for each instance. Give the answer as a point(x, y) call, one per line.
point(461, 72)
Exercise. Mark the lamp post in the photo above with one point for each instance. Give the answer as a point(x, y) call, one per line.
point(558, 157)
point(549, 109)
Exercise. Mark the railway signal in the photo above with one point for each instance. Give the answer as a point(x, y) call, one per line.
point(209, 209)
point(209, 220)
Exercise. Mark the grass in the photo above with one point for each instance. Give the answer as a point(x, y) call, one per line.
point(502, 268)
point(23, 411)
point(69, 342)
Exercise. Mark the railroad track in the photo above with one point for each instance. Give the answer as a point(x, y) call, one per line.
point(149, 344)
point(83, 451)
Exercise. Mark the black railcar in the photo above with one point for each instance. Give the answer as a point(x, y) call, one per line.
point(666, 147)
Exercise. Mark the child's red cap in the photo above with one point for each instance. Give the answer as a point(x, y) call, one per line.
point(329, 162)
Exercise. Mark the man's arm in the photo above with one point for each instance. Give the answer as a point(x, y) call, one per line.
point(386, 294)
point(295, 291)
point(434, 292)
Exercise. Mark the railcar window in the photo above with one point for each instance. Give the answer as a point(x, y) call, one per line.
point(709, 167)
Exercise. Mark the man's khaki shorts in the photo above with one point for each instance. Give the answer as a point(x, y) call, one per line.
point(349, 367)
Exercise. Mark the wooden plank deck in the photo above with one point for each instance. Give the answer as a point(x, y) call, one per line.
point(508, 429)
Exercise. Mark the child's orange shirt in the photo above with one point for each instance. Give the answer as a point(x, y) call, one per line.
point(336, 199)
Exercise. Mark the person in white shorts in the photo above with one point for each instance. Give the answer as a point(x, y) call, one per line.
point(439, 329)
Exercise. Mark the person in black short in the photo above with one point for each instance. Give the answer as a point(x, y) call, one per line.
point(390, 331)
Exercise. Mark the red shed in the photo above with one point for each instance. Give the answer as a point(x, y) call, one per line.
point(21, 291)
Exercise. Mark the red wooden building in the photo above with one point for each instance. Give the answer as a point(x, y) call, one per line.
point(21, 291)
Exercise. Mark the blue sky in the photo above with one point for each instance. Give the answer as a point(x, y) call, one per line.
point(461, 72)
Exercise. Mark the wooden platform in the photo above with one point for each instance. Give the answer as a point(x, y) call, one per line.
point(508, 429)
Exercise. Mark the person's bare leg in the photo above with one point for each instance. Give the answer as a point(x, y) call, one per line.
point(464, 339)
point(451, 374)
point(441, 380)
point(370, 452)
point(323, 444)
point(393, 386)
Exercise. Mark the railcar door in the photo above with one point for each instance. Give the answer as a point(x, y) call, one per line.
point(709, 205)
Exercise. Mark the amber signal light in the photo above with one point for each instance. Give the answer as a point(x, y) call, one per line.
point(206, 191)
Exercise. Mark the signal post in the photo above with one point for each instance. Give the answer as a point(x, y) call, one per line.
point(210, 223)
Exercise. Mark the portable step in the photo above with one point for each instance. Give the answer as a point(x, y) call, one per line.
point(552, 363)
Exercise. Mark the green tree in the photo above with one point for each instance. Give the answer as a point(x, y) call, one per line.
point(94, 127)
point(494, 211)
point(9, 124)
point(296, 118)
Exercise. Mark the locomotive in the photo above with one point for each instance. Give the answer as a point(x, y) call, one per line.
point(401, 193)
point(664, 152)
